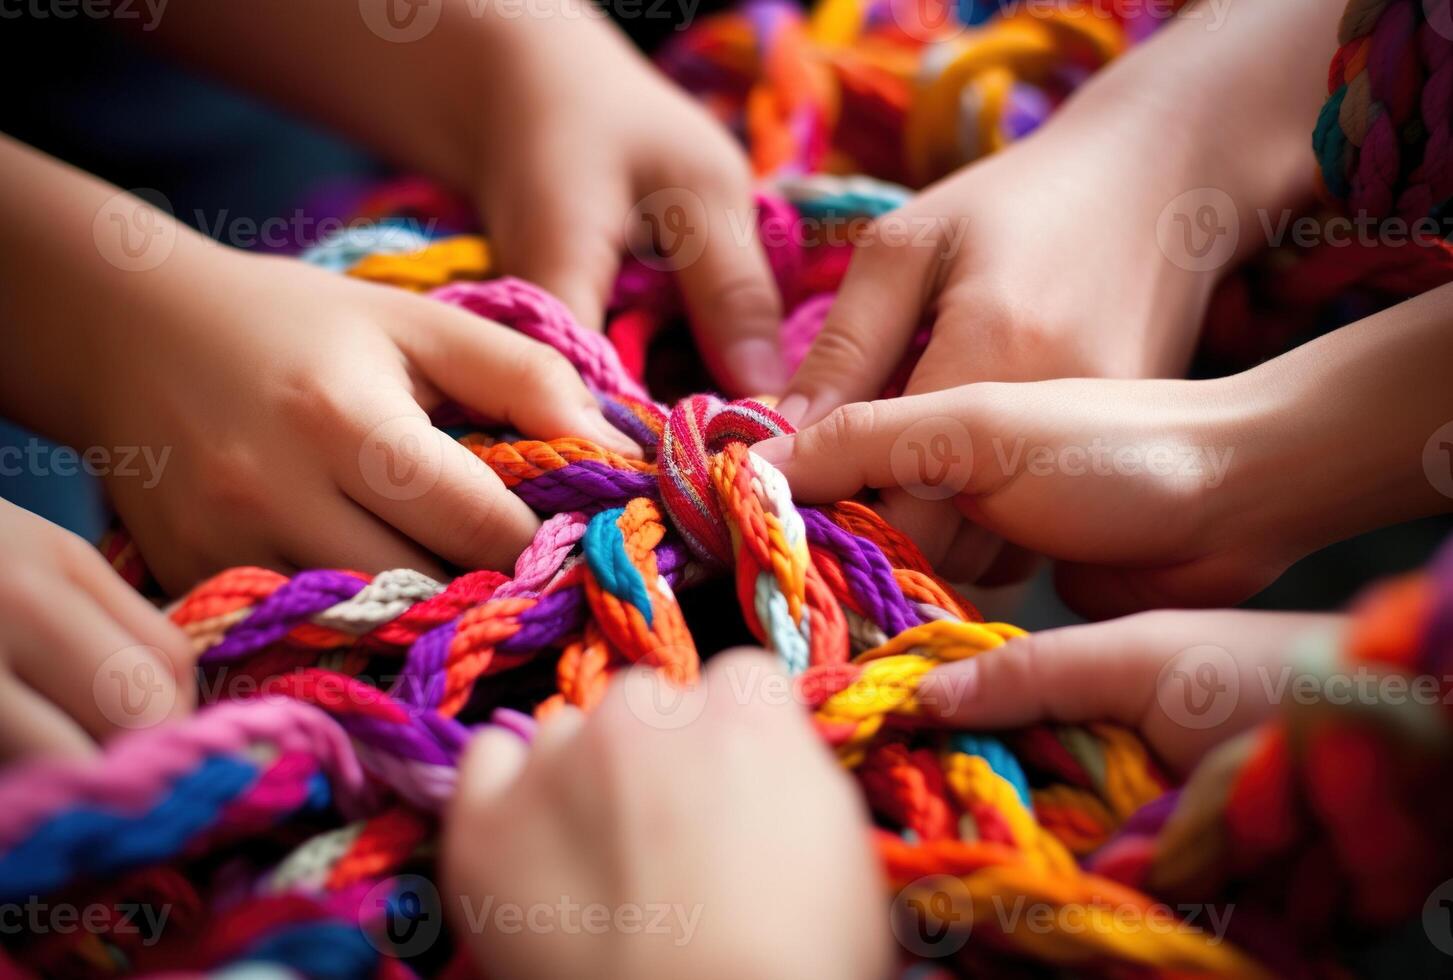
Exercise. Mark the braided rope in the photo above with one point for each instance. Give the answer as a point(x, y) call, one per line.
point(599, 588)
point(370, 686)
point(1383, 136)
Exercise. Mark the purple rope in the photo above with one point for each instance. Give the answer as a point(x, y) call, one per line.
point(586, 486)
point(306, 595)
point(868, 574)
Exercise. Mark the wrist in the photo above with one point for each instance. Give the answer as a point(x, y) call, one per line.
point(1316, 459)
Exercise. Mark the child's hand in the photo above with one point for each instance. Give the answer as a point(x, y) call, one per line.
point(1010, 300)
point(294, 408)
point(1186, 680)
point(576, 130)
point(1155, 494)
point(780, 880)
point(1064, 256)
point(82, 656)
point(1133, 486)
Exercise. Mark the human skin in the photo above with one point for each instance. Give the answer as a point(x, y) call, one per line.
point(1232, 479)
point(1045, 260)
point(546, 117)
point(718, 806)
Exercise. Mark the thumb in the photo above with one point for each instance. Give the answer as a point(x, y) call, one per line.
point(491, 764)
point(923, 443)
point(867, 330)
point(1068, 675)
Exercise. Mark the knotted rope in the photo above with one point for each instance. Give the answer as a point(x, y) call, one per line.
point(274, 822)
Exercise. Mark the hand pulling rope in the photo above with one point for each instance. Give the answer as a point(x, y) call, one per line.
point(273, 822)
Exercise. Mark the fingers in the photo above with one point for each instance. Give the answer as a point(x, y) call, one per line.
point(135, 615)
point(1010, 566)
point(932, 524)
point(565, 243)
point(494, 760)
point(972, 550)
point(1100, 591)
point(507, 376)
point(331, 531)
point(1079, 673)
point(921, 442)
point(415, 478)
point(867, 330)
point(30, 726)
point(733, 301)
point(98, 673)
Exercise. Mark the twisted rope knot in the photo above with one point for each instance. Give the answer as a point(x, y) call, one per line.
point(699, 428)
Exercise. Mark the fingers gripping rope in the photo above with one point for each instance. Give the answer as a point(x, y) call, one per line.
point(845, 602)
point(272, 816)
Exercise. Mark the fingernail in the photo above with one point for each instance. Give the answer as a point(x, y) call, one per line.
point(776, 450)
point(944, 689)
point(793, 408)
point(756, 366)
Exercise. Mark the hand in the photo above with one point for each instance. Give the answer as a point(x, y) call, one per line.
point(724, 810)
point(1155, 494)
point(1008, 301)
point(1050, 259)
point(563, 164)
point(1148, 493)
point(1187, 681)
point(68, 625)
point(292, 408)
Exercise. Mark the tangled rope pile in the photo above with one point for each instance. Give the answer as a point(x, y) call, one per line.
point(847, 604)
point(1383, 138)
point(274, 825)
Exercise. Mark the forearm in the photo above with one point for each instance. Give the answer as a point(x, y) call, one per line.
point(415, 99)
point(77, 252)
point(1226, 97)
point(1342, 433)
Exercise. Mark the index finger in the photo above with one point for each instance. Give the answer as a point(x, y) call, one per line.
point(922, 443)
